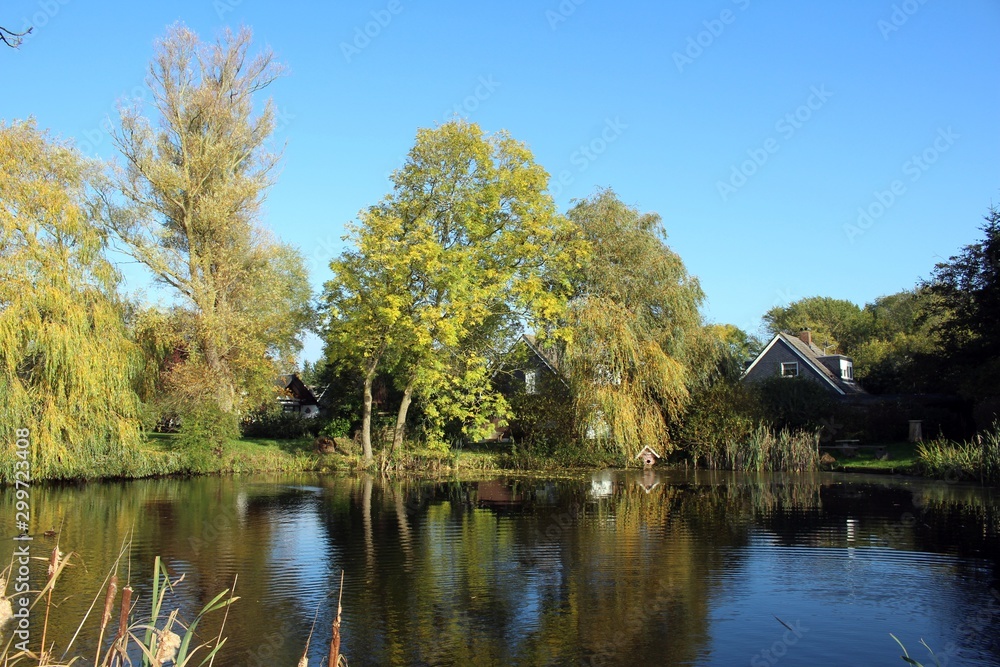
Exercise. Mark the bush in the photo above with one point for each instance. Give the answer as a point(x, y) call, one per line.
point(723, 413)
point(338, 427)
point(204, 431)
point(794, 403)
point(278, 425)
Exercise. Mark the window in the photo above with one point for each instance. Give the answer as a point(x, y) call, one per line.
point(847, 371)
point(789, 369)
point(531, 382)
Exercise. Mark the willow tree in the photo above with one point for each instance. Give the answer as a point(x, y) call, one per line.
point(66, 363)
point(632, 322)
point(450, 263)
point(191, 190)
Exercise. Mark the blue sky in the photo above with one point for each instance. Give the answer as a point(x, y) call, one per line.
point(793, 149)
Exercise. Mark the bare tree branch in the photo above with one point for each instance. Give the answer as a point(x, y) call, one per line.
point(11, 38)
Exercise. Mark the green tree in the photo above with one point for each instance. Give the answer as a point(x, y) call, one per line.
point(191, 189)
point(967, 299)
point(631, 327)
point(66, 363)
point(836, 324)
point(465, 247)
point(895, 356)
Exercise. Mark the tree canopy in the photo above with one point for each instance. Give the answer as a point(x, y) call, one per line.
point(631, 326)
point(445, 269)
point(966, 291)
point(186, 204)
point(66, 364)
point(835, 323)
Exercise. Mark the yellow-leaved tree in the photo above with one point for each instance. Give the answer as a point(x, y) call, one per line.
point(464, 251)
point(187, 206)
point(67, 366)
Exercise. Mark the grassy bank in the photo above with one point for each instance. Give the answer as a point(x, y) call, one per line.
point(161, 455)
point(976, 460)
point(903, 460)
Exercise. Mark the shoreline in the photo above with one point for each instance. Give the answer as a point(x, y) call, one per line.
point(265, 456)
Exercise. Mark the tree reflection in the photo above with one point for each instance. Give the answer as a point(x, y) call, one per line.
point(618, 567)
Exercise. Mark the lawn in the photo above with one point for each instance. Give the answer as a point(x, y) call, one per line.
point(243, 455)
point(902, 459)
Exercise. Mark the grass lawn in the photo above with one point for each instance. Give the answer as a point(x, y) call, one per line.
point(248, 455)
point(902, 459)
point(242, 455)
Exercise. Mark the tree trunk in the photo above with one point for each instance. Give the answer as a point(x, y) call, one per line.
point(225, 393)
point(404, 406)
point(366, 415)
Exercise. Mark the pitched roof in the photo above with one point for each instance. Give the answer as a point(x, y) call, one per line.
point(549, 355)
point(812, 356)
point(296, 388)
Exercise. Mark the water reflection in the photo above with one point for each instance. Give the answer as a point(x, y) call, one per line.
point(615, 567)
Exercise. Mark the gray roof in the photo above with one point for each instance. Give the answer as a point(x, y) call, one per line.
point(816, 356)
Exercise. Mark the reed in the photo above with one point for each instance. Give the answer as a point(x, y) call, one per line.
point(151, 641)
point(974, 460)
point(160, 644)
point(765, 450)
point(910, 661)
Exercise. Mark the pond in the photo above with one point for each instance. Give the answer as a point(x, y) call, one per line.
point(613, 567)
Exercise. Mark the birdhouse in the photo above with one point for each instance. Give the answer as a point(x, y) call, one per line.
point(648, 456)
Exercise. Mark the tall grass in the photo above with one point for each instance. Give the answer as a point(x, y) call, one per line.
point(975, 460)
point(159, 638)
point(150, 638)
point(763, 449)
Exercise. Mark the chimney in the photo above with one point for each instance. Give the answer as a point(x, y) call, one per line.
point(806, 336)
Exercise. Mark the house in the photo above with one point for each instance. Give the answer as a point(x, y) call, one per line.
point(539, 365)
point(797, 357)
point(294, 396)
point(529, 378)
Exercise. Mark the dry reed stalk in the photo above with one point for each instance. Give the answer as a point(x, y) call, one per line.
point(51, 584)
point(304, 660)
point(335, 639)
point(218, 641)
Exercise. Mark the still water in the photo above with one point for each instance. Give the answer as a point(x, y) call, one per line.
point(616, 567)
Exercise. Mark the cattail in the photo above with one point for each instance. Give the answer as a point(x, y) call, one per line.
point(109, 601)
point(335, 639)
point(123, 615)
point(6, 611)
point(167, 649)
point(335, 644)
point(54, 562)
